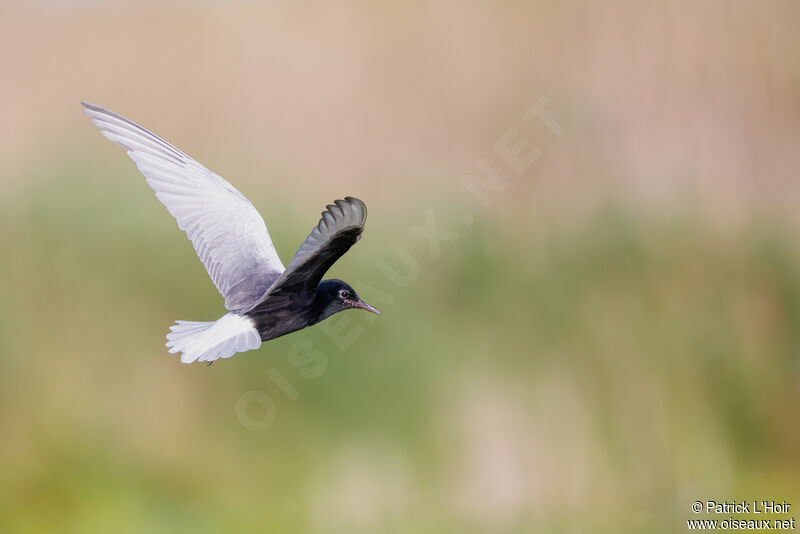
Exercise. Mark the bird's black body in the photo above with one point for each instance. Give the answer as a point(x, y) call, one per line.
point(285, 312)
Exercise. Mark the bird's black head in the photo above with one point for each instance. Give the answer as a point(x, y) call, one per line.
point(334, 296)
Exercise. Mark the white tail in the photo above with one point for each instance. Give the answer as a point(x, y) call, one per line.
point(206, 342)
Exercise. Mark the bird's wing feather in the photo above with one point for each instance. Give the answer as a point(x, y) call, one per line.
point(341, 225)
point(227, 232)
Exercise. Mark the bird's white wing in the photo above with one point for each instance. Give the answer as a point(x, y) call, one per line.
point(227, 232)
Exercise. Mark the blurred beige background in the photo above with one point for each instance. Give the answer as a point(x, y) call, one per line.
point(613, 335)
point(688, 98)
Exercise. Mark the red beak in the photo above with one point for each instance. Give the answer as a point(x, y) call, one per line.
point(364, 306)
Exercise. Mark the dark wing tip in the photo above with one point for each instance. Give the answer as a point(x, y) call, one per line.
point(354, 200)
point(357, 205)
point(350, 212)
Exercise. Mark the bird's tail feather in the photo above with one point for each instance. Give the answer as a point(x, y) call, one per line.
point(209, 341)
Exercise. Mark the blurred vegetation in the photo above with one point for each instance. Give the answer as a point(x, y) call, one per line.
point(591, 376)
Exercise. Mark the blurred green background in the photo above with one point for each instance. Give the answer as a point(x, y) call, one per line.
point(597, 336)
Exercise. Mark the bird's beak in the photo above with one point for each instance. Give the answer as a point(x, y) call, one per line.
point(364, 306)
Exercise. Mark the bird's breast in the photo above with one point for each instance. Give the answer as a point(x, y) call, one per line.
point(279, 316)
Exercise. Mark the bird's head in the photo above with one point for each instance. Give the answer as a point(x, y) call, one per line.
point(336, 296)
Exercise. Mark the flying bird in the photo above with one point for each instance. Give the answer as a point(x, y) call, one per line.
point(265, 299)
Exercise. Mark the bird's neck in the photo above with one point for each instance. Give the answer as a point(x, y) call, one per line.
point(322, 307)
